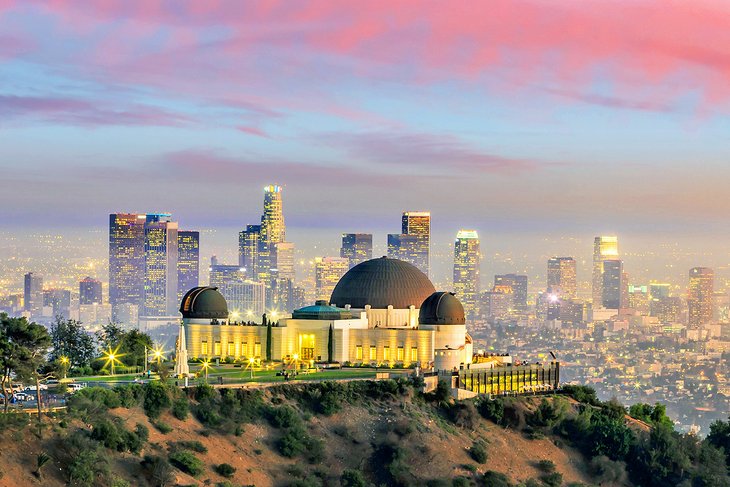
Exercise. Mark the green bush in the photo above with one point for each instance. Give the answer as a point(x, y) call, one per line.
point(292, 443)
point(180, 408)
point(130, 395)
point(193, 445)
point(113, 435)
point(547, 466)
point(225, 470)
point(187, 462)
point(478, 452)
point(283, 417)
point(460, 482)
point(352, 478)
point(101, 395)
point(158, 470)
point(156, 399)
point(162, 427)
point(495, 479)
point(492, 410)
point(582, 394)
point(554, 479)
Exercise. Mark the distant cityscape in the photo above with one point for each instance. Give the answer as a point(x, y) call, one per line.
point(639, 341)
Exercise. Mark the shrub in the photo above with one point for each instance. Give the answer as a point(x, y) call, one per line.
point(225, 470)
point(608, 472)
point(352, 478)
point(156, 399)
point(460, 482)
point(291, 444)
point(547, 466)
point(492, 410)
point(187, 462)
point(180, 408)
point(582, 394)
point(86, 467)
point(554, 479)
point(463, 414)
point(113, 435)
point(495, 479)
point(162, 427)
point(142, 432)
point(193, 445)
point(130, 395)
point(283, 417)
point(158, 470)
point(204, 391)
point(478, 452)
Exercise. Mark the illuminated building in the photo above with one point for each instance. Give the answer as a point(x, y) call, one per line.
point(639, 299)
point(467, 261)
point(413, 244)
point(188, 261)
point(56, 303)
point(220, 274)
point(33, 294)
point(248, 248)
point(561, 277)
point(160, 266)
point(89, 291)
point(390, 315)
point(126, 260)
point(518, 284)
point(658, 290)
point(94, 316)
point(667, 309)
point(700, 296)
point(327, 273)
point(246, 299)
point(356, 247)
point(604, 248)
point(273, 232)
point(612, 284)
point(497, 304)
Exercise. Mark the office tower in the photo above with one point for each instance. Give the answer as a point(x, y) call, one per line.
point(89, 291)
point(413, 244)
point(246, 299)
point(356, 247)
point(497, 304)
point(160, 266)
point(639, 299)
point(561, 277)
point(57, 303)
point(284, 258)
point(604, 248)
point(220, 274)
point(518, 283)
point(188, 261)
point(658, 290)
point(248, 248)
point(612, 284)
point(467, 260)
point(272, 221)
point(33, 294)
point(700, 296)
point(667, 309)
point(126, 260)
point(327, 273)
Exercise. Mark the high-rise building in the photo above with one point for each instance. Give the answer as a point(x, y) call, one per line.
point(639, 299)
point(561, 277)
point(248, 248)
point(700, 296)
point(221, 274)
point(57, 303)
point(33, 294)
point(246, 299)
point(90, 291)
point(272, 221)
point(604, 248)
point(188, 261)
point(413, 244)
point(467, 260)
point(126, 259)
point(658, 290)
point(327, 273)
point(612, 284)
point(518, 283)
point(356, 247)
point(498, 303)
point(160, 266)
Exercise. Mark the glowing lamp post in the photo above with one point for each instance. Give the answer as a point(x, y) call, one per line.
point(112, 357)
point(64, 363)
point(205, 365)
point(250, 365)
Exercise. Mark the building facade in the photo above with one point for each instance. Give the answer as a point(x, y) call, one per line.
point(467, 275)
point(160, 266)
point(413, 244)
point(356, 247)
point(126, 259)
point(90, 291)
point(604, 248)
point(188, 261)
point(700, 297)
point(327, 273)
point(518, 283)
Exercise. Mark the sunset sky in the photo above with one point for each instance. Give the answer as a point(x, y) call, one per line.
point(572, 115)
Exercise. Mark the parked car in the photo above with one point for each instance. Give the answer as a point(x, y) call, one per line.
point(23, 397)
point(75, 387)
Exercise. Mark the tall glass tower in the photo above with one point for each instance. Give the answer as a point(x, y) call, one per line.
point(413, 244)
point(467, 259)
point(160, 265)
point(700, 296)
point(561, 277)
point(604, 248)
point(356, 247)
point(188, 261)
point(126, 259)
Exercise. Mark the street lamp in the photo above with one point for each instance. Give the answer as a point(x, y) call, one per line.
point(65, 362)
point(205, 365)
point(112, 357)
point(250, 365)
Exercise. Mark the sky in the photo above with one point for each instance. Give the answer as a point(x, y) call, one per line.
point(572, 116)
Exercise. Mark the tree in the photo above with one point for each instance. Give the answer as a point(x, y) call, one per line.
point(110, 335)
point(331, 345)
point(129, 345)
point(69, 339)
point(23, 349)
point(719, 437)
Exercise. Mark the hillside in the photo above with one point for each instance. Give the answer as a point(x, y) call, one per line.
point(353, 434)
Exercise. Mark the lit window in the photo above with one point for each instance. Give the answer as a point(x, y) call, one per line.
point(414, 354)
point(257, 350)
point(373, 354)
point(204, 348)
point(386, 353)
point(231, 349)
point(244, 349)
point(217, 349)
point(401, 354)
point(358, 352)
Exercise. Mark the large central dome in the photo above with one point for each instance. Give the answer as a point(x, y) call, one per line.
point(382, 282)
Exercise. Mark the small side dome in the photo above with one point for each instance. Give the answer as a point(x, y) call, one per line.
point(441, 308)
point(204, 302)
point(321, 311)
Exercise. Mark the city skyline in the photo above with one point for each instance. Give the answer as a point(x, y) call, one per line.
point(487, 100)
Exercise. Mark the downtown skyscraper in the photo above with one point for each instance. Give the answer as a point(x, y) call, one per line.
point(604, 248)
point(89, 291)
point(561, 277)
point(613, 294)
point(356, 247)
point(126, 261)
point(467, 277)
point(413, 244)
point(160, 266)
point(188, 261)
point(33, 294)
point(700, 296)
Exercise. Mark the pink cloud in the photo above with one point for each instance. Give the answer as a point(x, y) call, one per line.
point(253, 131)
point(81, 112)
